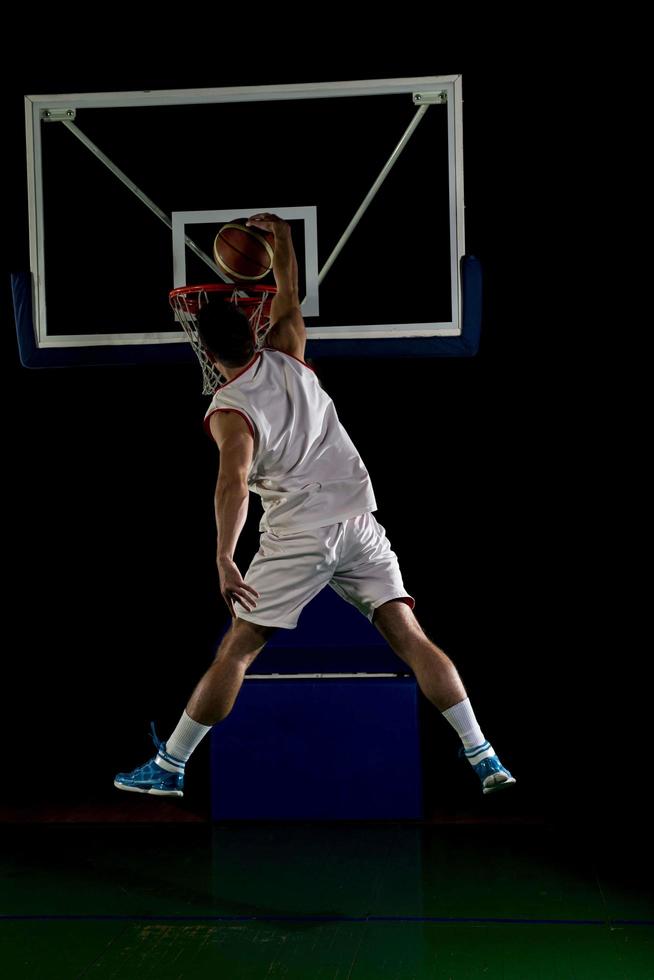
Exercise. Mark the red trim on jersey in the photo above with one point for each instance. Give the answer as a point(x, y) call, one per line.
point(290, 355)
point(240, 373)
point(246, 368)
point(207, 426)
point(409, 601)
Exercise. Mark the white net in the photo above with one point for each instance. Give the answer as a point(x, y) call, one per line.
point(187, 301)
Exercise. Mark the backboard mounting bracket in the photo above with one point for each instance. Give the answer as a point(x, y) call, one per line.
point(58, 115)
point(429, 98)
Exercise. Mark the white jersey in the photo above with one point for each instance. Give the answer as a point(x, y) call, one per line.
point(305, 467)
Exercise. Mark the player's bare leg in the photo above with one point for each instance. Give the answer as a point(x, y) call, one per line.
point(437, 676)
point(439, 681)
point(215, 694)
point(211, 701)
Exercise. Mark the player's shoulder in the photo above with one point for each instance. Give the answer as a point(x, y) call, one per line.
point(229, 423)
point(299, 358)
point(288, 335)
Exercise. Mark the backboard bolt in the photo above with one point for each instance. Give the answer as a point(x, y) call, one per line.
point(57, 115)
point(430, 98)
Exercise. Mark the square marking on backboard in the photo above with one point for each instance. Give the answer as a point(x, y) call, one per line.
point(308, 215)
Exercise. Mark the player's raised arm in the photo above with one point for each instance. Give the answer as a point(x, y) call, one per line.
point(288, 332)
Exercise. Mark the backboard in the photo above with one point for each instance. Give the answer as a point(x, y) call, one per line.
point(127, 191)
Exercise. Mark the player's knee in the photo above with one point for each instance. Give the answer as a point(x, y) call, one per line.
point(398, 625)
point(401, 630)
point(245, 640)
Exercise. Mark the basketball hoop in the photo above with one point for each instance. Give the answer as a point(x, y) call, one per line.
point(187, 301)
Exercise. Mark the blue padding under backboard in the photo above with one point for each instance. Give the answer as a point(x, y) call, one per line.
point(466, 345)
point(109, 355)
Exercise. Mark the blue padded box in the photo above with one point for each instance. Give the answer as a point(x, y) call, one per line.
point(328, 748)
point(303, 742)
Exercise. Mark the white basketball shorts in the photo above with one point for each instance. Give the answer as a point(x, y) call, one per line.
point(291, 567)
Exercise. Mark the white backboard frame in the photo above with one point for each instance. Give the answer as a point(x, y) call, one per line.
point(448, 88)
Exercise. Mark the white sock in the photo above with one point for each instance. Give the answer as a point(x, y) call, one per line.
point(462, 719)
point(186, 737)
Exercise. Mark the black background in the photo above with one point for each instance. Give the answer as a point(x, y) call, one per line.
point(500, 479)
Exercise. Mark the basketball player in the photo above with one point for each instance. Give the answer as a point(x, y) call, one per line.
point(279, 435)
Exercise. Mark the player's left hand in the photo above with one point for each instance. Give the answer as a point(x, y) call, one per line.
point(233, 588)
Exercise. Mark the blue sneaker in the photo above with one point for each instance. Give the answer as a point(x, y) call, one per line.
point(151, 778)
point(490, 770)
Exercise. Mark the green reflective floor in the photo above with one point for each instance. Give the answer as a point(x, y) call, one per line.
point(318, 901)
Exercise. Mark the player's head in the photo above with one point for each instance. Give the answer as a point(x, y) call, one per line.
point(225, 331)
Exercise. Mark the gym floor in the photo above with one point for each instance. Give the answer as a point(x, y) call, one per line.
point(143, 889)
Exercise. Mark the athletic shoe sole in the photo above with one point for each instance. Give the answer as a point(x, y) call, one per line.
point(501, 785)
point(152, 792)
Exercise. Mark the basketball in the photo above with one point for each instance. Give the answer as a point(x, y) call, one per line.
point(244, 253)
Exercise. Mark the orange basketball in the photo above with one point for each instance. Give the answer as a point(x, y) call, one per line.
point(244, 253)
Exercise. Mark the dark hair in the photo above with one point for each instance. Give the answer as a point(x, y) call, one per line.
point(225, 331)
